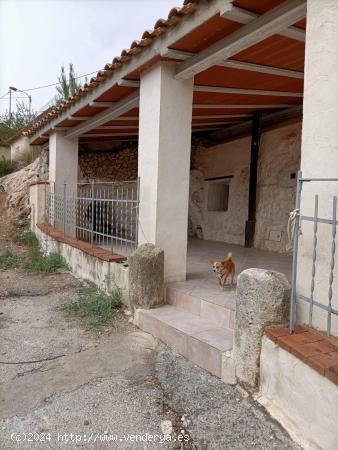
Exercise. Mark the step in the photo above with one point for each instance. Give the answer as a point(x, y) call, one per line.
point(220, 309)
point(196, 338)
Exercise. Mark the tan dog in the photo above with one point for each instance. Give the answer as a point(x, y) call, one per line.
point(223, 269)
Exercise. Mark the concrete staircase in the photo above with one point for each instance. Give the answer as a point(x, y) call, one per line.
point(198, 329)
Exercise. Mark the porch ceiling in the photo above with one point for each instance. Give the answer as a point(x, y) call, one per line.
point(226, 93)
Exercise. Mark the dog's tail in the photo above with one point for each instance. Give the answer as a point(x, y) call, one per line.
point(229, 256)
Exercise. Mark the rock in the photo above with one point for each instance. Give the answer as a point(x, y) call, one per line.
point(263, 299)
point(16, 185)
point(146, 277)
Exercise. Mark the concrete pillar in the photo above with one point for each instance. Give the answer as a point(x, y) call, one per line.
point(63, 170)
point(164, 164)
point(63, 159)
point(319, 154)
point(37, 199)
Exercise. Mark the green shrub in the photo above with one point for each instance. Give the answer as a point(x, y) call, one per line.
point(37, 262)
point(6, 167)
point(8, 260)
point(26, 237)
point(91, 303)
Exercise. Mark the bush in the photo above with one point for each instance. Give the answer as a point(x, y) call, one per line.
point(26, 237)
point(37, 262)
point(8, 260)
point(91, 303)
point(6, 167)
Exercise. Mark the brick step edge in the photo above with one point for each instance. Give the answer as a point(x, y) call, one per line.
point(92, 250)
point(311, 347)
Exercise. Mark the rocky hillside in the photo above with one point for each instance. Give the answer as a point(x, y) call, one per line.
point(16, 186)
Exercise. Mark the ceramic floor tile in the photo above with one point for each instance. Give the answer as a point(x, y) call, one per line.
point(220, 338)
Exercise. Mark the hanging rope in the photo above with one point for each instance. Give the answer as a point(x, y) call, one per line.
point(291, 228)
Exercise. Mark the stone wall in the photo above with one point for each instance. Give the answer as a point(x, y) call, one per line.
point(278, 164)
point(111, 165)
point(279, 159)
point(225, 160)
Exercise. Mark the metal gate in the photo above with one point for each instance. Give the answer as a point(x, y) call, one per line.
point(331, 224)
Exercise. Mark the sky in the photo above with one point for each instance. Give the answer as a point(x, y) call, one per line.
point(37, 37)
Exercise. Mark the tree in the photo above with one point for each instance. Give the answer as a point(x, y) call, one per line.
point(10, 124)
point(67, 86)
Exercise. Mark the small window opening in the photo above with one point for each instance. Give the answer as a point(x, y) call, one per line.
point(218, 195)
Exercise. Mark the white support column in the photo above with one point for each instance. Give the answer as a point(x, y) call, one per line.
point(319, 156)
point(63, 159)
point(63, 171)
point(164, 164)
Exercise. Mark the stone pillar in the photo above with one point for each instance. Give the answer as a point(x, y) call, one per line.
point(146, 269)
point(319, 153)
point(164, 163)
point(263, 299)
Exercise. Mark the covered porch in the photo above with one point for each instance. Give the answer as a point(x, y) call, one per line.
point(213, 76)
point(224, 80)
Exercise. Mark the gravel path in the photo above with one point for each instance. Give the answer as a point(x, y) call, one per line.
point(118, 382)
point(64, 386)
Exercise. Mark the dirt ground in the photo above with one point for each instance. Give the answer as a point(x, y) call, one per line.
point(65, 386)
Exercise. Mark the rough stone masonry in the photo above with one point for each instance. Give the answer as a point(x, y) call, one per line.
point(263, 299)
point(146, 277)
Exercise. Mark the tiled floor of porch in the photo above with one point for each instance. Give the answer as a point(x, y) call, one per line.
point(201, 281)
point(198, 319)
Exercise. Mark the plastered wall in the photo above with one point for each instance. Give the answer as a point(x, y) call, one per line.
point(5, 152)
point(302, 400)
point(279, 159)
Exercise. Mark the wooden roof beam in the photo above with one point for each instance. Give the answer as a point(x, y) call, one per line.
point(243, 16)
point(117, 127)
point(111, 113)
point(96, 104)
point(77, 118)
point(196, 124)
point(233, 64)
point(267, 120)
point(108, 134)
point(222, 116)
point(123, 118)
point(260, 28)
point(241, 65)
point(226, 90)
point(237, 106)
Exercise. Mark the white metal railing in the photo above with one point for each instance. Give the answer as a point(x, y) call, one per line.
point(104, 214)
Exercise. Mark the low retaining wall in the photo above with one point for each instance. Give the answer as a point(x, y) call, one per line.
point(302, 400)
point(106, 275)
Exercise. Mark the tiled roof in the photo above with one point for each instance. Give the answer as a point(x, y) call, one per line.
point(161, 26)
